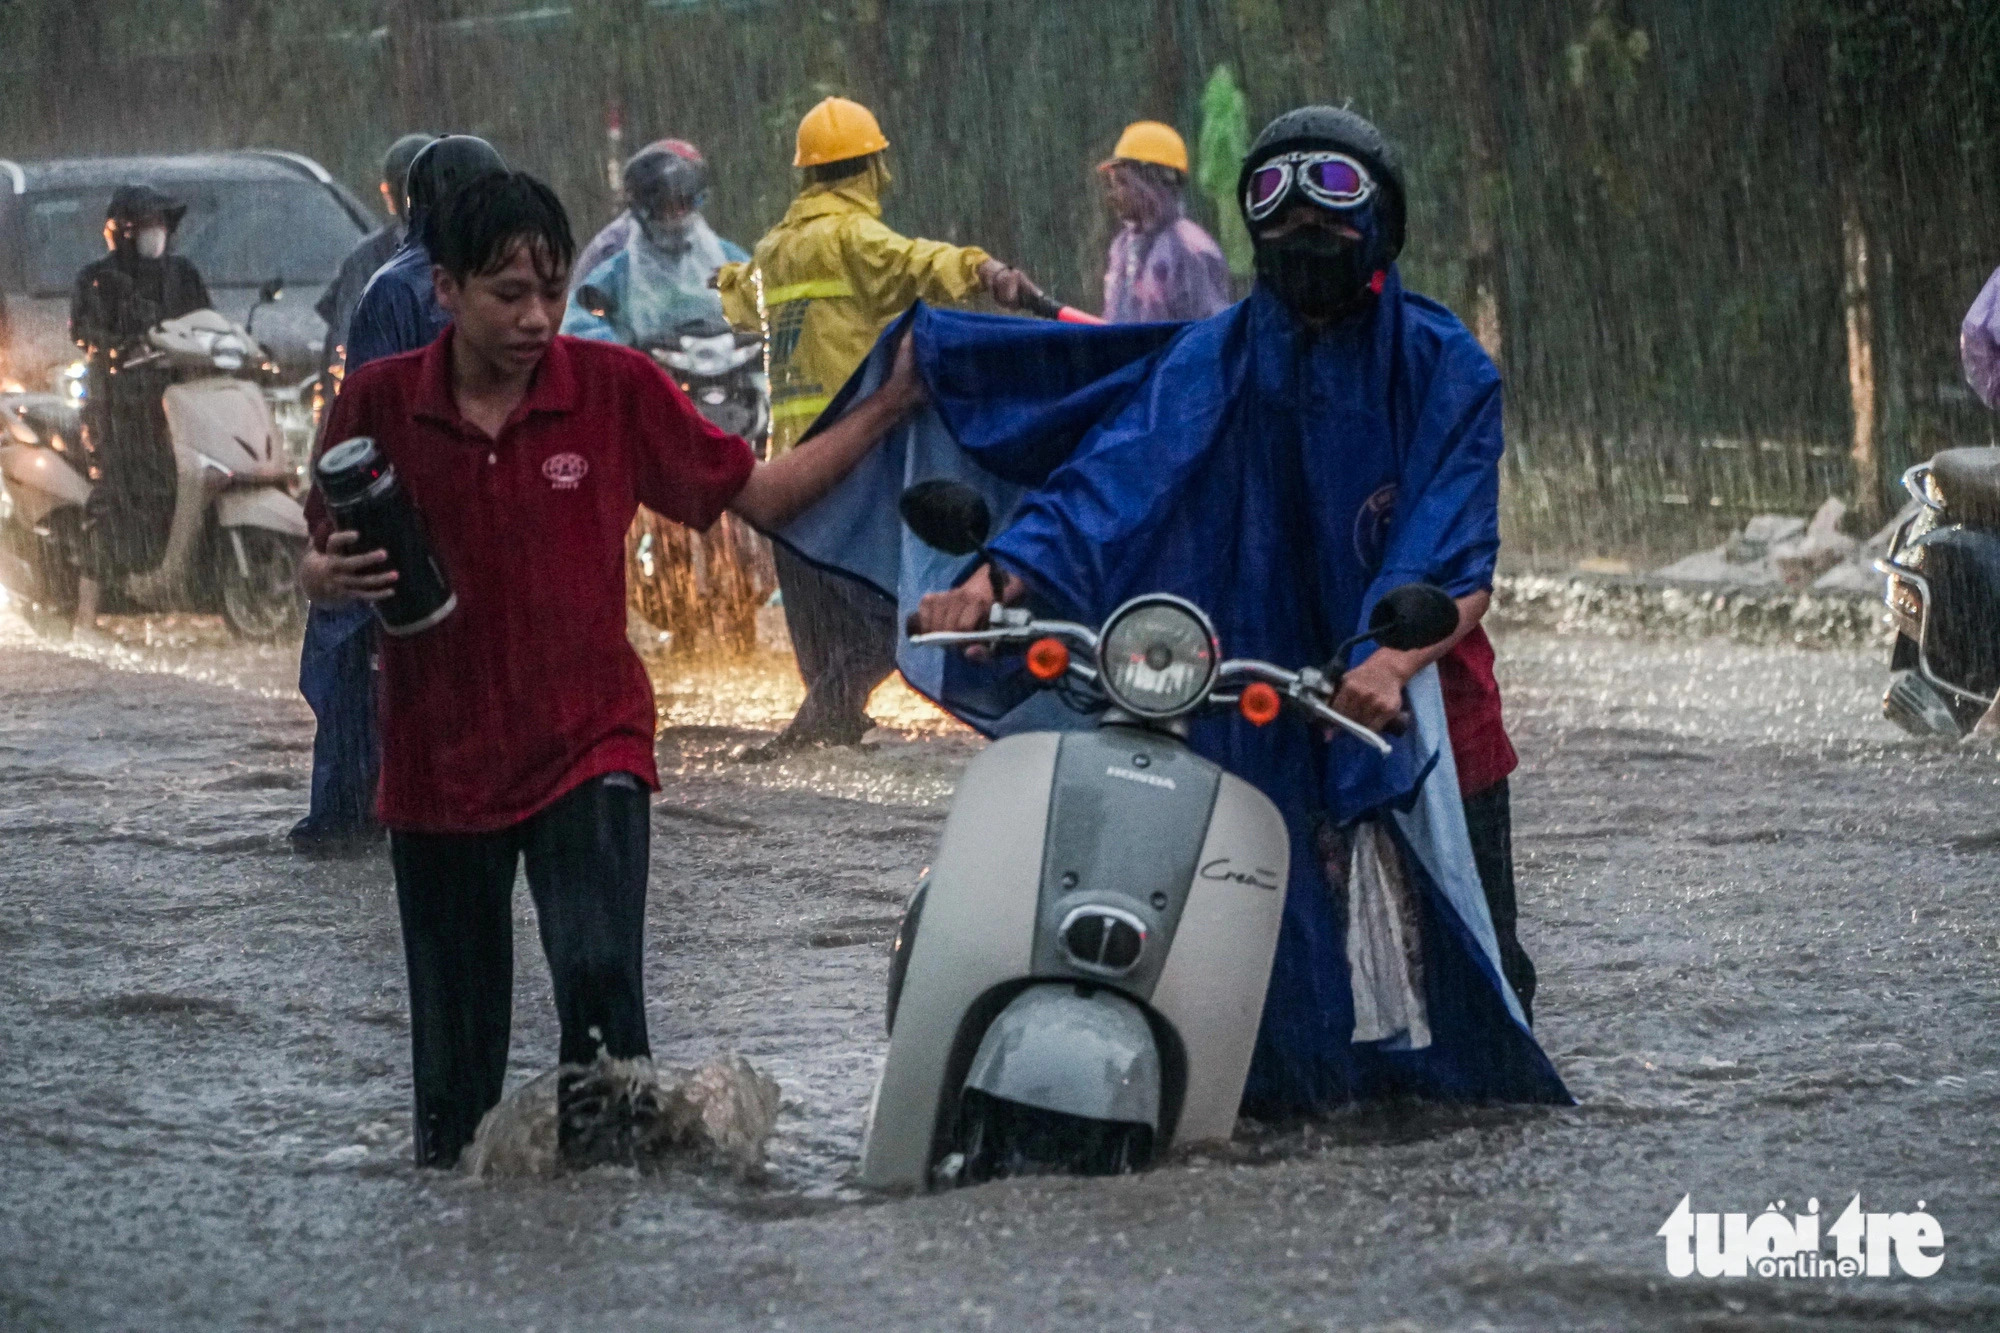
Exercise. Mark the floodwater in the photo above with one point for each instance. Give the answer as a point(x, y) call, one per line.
point(1766, 926)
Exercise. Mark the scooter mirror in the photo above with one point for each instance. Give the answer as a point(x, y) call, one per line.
point(596, 300)
point(947, 515)
point(1416, 615)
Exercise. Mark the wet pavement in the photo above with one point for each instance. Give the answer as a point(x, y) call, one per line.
point(1768, 930)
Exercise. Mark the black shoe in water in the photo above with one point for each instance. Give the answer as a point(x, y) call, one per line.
point(605, 1116)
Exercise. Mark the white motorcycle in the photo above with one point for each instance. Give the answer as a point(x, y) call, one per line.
point(238, 534)
point(1079, 979)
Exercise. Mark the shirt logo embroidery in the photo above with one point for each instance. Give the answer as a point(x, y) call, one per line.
point(1371, 527)
point(566, 471)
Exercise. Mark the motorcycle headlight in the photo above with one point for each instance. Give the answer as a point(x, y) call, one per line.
point(1157, 657)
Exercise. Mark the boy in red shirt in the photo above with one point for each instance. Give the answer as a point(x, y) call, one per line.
point(521, 727)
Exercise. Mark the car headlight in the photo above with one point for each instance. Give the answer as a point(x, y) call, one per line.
point(1157, 657)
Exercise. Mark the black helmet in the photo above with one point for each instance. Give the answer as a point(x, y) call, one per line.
point(442, 165)
point(134, 203)
point(667, 174)
point(1349, 132)
point(396, 162)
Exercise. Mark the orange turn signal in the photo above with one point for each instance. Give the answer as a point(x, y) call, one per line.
point(1048, 659)
point(1260, 704)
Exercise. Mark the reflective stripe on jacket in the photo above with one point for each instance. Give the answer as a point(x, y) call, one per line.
point(824, 283)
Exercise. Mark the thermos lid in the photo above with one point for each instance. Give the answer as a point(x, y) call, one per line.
point(350, 468)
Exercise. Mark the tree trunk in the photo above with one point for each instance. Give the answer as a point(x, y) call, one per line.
point(1480, 108)
point(421, 94)
point(1864, 392)
point(1163, 101)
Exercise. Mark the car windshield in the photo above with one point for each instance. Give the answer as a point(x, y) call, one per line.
point(238, 233)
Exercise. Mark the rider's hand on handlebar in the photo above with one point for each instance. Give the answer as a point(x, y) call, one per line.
point(1372, 693)
point(338, 574)
point(969, 606)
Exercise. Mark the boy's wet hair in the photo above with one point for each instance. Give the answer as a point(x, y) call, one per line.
point(475, 232)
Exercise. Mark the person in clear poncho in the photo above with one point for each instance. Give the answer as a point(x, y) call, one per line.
point(661, 277)
point(1162, 266)
point(1979, 343)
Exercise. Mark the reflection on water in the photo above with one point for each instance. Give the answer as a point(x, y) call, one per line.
point(1712, 687)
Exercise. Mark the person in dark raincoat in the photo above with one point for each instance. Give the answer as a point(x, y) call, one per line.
point(117, 300)
point(1283, 465)
point(336, 304)
point(398, 312)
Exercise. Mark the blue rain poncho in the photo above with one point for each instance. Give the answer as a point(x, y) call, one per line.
point(1284, 483)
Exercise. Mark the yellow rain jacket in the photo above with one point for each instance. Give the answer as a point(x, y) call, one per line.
point(824, 283)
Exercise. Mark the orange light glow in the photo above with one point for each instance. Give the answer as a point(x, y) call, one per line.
point(1260, 704)
point(1048, 659)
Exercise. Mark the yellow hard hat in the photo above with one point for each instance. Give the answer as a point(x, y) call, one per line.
point(1150, 141)
point(837, 130)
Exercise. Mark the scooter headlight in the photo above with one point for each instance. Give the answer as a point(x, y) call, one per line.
point(1157, 657)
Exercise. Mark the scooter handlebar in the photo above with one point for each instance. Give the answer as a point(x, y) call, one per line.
point(1311, 691)
point(1022, 631)
point(1308, 690)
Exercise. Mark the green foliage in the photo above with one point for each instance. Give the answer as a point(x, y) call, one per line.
point(1225, 139)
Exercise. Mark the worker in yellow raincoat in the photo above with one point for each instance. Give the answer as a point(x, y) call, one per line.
point(821, 286)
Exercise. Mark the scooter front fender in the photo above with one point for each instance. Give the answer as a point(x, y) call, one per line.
point(41, 480)
point(262, 507)
point(976, 939)
point(1082, 1051)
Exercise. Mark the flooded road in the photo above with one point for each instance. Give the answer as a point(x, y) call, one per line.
point(1768, 930)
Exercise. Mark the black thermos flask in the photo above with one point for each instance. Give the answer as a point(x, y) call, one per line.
point(365, 497)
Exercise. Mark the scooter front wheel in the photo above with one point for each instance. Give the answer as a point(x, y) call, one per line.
point(999, 1138)
point(257, 574)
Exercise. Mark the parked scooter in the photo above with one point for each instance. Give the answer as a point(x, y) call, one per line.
point(1078, 981)
point(237, 534)
point(1943, 592)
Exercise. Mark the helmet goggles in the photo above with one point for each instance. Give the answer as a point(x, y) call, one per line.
point(1329, 179)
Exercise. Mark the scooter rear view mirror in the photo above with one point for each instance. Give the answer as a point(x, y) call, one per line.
point(596, 300)
point(1416, 615)
point(947, 516)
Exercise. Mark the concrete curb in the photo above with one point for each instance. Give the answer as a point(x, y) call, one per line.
point(1647, 605)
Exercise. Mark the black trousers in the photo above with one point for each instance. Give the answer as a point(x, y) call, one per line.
point(1490, 821)
point(586, 861)
point(845, 638)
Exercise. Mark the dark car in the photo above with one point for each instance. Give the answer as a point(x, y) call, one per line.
point(251, 217)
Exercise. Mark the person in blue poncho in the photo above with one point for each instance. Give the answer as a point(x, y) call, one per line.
point(398, 312)
point(1283, 464)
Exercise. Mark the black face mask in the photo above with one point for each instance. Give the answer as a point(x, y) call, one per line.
point(1319, 276)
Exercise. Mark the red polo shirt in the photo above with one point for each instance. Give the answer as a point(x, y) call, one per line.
point(530, 687)
point(1479, 741)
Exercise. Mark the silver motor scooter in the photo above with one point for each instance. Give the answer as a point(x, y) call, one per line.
point(1079, 978)
point(237, 535)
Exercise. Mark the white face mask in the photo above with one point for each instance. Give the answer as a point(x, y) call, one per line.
point(151, 242)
